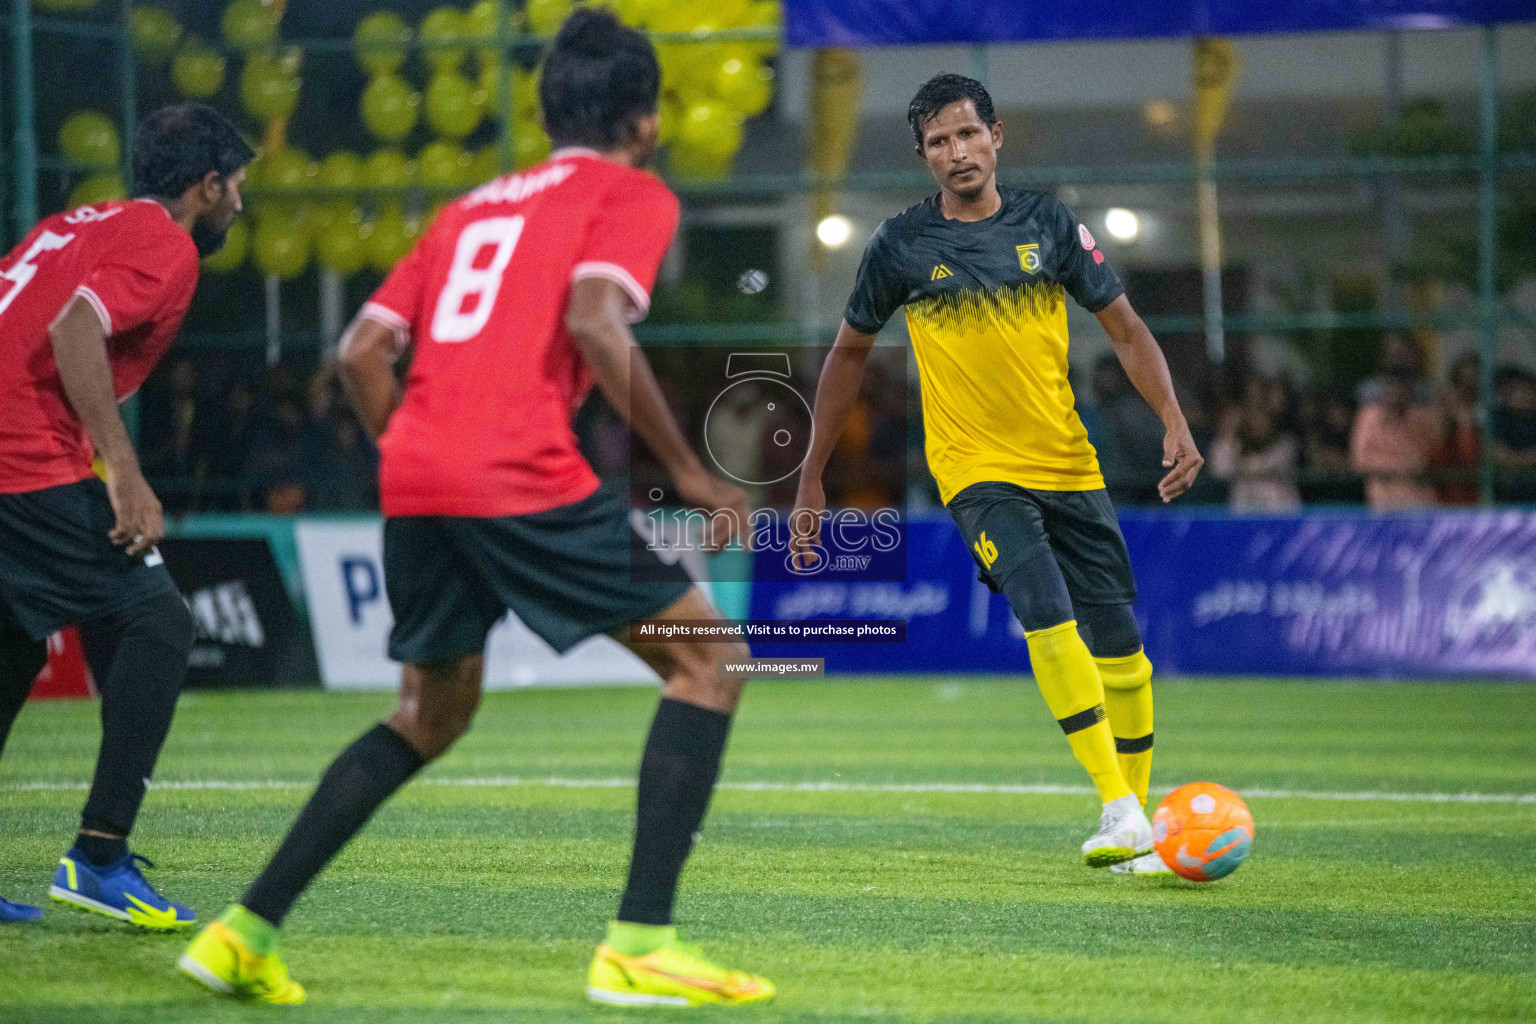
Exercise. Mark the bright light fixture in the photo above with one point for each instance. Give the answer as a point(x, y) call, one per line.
point(834, 231)
point(1121, 224)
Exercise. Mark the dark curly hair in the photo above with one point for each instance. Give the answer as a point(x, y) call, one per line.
point(599, 78)
point(176, 147)
point(939, 92)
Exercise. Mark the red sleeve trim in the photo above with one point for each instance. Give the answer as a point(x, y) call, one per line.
point(640, 299)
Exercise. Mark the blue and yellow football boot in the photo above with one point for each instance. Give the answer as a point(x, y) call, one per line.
point(117, 890)
point(15, 913)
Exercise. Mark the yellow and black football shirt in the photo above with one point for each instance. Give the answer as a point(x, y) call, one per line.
point(986, 309)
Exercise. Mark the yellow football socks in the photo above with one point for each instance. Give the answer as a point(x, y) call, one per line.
point(1069, 681)
point(1128, 700)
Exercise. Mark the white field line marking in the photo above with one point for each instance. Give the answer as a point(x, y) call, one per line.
point(512, 782)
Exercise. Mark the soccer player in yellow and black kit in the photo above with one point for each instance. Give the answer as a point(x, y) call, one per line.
point(984, 272)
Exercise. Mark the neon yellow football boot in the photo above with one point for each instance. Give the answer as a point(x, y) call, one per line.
point(676, 974)
point(221, 958)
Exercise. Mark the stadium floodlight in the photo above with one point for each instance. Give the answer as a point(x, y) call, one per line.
point(834, 231)
point(1122, 224)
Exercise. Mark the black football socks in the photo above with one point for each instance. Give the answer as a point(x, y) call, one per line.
point(357, 782)
point(677, 775)
point(139, 659)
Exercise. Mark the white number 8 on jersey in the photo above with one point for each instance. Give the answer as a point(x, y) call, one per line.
point(451, 321)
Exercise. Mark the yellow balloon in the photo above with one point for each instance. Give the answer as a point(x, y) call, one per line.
point(250, 24)
point(766, 14)
point(545, 16)
point(90, 139)
point(390, 107)
point(744, 85)
point(340, 170)
point(269, 87)
point(155, 33)
point(381, 40)
point(391, 239)
point(343, 246)
point(486, 164)
point(281, 245)
point(232, 253)
point(388, 168)
point(198, 70)
point(98, 188)
point(454, 106)
point(710, 131)
point(443, 165)
point(530, 146)
point(283, 168)
point(443, 38)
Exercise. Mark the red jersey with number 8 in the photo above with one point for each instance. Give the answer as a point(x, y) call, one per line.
point(137, 269)
point(484, 429)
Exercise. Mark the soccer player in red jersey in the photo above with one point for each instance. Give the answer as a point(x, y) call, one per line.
point(518, 300)
point(89, 302)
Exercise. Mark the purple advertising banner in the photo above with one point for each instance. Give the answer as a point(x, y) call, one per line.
point(1436, 595)
point(915, 22)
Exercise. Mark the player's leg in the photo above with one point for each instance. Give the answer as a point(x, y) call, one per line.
point(60, 566)
point(641, 961)
point(1115, 642)
point(1005, 531)
point(1085, 535)
point(138, 656)
point(21, 659)
point(442, 616)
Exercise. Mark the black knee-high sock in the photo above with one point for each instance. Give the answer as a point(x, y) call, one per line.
point(677, 775)
point(139, 657)
point(353, 787)
point(21, 659)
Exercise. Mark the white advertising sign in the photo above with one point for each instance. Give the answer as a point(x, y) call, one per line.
point(343, 571)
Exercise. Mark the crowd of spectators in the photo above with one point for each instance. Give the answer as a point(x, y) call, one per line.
point(214, 438)
point(1400, 439)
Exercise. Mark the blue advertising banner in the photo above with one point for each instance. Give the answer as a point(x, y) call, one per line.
point(913, 22)
point(1445, 594)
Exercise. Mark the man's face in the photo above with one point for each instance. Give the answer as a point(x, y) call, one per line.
point(961, 150)
point(221, 200)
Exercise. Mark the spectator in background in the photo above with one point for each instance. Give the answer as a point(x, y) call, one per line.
point(1513, 435)
point(337, 465)
point(1131, 458)
point(174, 431)
point(1460, 440)
point(229, 452)
point(1399, 357)
point(1258, 459)
point(275, 470)
point(1392, 444)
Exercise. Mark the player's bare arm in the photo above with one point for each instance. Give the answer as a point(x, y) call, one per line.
point(367, 370)
point(80, 349)
point(837, 393)
point(597, 318)
point(1142, 357)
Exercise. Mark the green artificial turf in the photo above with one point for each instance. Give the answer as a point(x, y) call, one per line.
point(863, 901)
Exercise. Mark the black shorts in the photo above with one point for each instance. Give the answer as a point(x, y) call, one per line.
point(569, 573)
point(1005, 526)
point(58, 566)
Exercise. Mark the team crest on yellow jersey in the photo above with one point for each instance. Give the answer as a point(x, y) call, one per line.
point(940, 272)
point(1029, 257)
